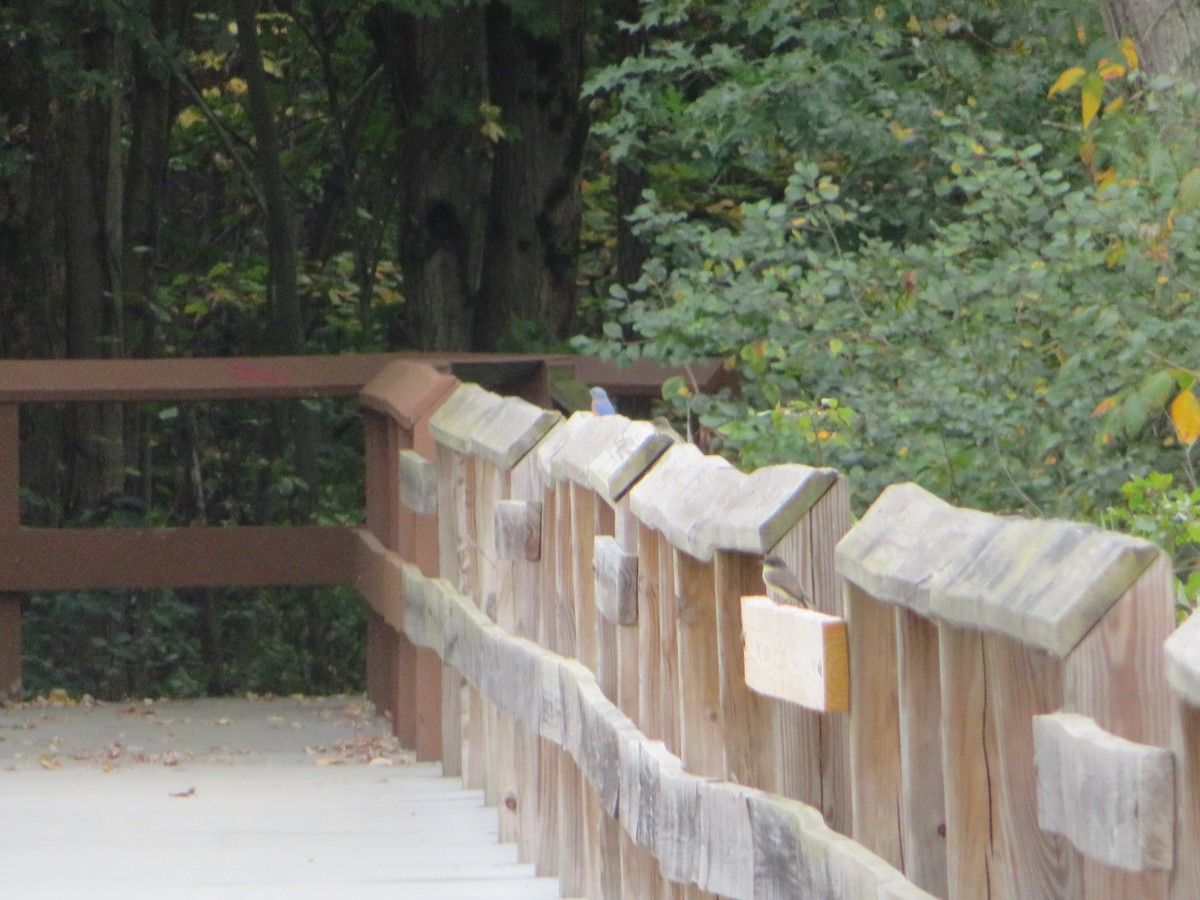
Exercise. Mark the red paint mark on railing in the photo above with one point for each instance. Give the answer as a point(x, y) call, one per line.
point(253, 374)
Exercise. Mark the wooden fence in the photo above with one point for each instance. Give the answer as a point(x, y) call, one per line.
point(572, 614)
point(976, 706)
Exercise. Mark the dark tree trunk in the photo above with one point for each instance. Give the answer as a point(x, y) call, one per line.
point(437, 67)
point(528, 286)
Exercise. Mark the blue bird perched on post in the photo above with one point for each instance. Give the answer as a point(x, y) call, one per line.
point(601, 405)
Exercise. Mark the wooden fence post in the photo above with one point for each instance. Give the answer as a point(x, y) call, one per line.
point(1033, 618)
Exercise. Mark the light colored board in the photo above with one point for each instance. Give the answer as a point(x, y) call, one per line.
point(418, 483)
point(612, 472)
point(650, 643)
point(966, 747)
point(684, 513)
point(626, 530)
point(701, 739)
point(616, 582)
point(518, 530)
point(725, 866)
point(510, 430)
point(922, 788)
point(1113, 799)
point(672, 476)
point(767, 505)
point(454, 422)
point(874, 726)
point(1045, 583)
point(1183, 660)
point(906, 540)
point(668, 649)
point(796, 654)
point(591, 438)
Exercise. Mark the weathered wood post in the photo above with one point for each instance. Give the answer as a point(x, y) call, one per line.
point(591, 461)
point(1183, 672)
point(496, 435)
point(10, 518)
point(401, 678)
point(1034, 620)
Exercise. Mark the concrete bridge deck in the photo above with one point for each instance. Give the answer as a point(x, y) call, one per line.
point(256, 799)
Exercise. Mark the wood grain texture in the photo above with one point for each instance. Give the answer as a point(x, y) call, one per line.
point(622, 461)
point(1043, 582)
point(922, 787)
point(616, 582)
point(905, 540)
point(796, 654)
point(747, 715)
point(874, 726)
point(456, 419)
point(518, 530)
point(711, 834)
point(1185, 741)
point(671, 477)
point(701, 739)
point(1113, 799)
point(766, 505)
point(684, 513)
point(510, 430)
point(418, 483)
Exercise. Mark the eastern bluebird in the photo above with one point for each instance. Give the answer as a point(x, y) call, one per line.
point(601, 405)
point(777, 575)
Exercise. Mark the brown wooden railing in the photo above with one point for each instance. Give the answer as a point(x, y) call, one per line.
point(570, 613)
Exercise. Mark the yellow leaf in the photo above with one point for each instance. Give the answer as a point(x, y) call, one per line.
point(236, 86)
point(1111, 70)
point(901, 133)
point(1067, 79)
point(879, 13)
point(1129, 51)
point(188, 117)
point(1115, 106)
point(1106, 178)
point(1185, 416)
point(1087, 152)
point(1081, 34)
point(1104, 406)
point(1093, 92)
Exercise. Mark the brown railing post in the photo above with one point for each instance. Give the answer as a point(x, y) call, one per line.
point(10, 518)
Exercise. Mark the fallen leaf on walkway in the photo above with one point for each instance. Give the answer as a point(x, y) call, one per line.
point(49, 762)
point(190, 792)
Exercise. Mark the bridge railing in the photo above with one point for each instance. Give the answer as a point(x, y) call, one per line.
point(974, 705)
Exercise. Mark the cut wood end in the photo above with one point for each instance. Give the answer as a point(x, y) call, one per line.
point(796, 654)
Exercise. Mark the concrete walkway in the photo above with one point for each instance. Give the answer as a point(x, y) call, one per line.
point(256, 799)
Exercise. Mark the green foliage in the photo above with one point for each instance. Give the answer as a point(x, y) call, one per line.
point(887, 210)
point(1155, 509)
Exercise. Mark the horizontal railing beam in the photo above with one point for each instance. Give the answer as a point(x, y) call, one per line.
point(63, 559)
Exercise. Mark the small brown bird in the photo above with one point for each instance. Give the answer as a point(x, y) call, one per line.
point(779, 579)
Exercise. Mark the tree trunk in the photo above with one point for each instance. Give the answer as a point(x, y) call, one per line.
point(438, 72)
point(1166, 32)
point(528, 288)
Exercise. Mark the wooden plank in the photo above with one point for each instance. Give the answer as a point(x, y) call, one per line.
point(795, 654)
point(591, 439)
point(1044, 583)
point(625, 459)
point(685, 512)
point(874, 726)
point(922, 788)
point(616, 582)
point(32, 559)
point(510, 431)
point(1116, 676)
point(907, 540)
point(1113, 799)
point(518, 530)
point(650, 640)
point(748, 719)
point(726, 863)
point(701, 738)
point(449, 478)
point(10, 466)
point(455, 421)
point(671, 477)
point(765, 507)
point(418, 483)
point(966, 746)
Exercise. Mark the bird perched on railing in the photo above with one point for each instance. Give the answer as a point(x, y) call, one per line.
point(601, 405)
point(779, 580)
